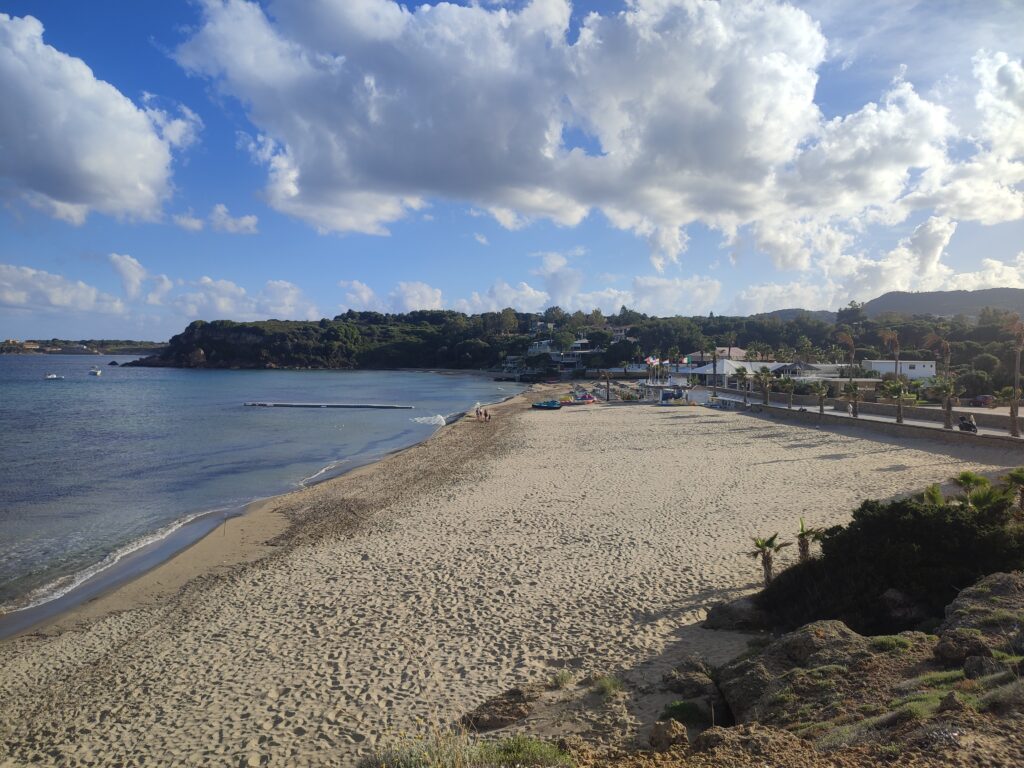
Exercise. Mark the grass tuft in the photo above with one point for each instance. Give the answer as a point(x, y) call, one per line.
point(561, 679)
point(607, 685)
point(454, 749)
point(888, 643)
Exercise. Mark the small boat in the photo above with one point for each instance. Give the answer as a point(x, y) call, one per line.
point(94, 371)
point(585, 399)
point(53, 377)
point(548, 405)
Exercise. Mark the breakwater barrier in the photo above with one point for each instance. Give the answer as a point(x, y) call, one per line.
point(378, 406)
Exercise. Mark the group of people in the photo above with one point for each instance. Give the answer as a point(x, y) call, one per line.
point(482, 415)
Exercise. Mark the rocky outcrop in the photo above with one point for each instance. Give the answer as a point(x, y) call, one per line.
point(986, 617)
point(667, 734)
point(741, 614)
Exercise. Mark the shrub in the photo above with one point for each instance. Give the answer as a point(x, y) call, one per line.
point(560, 679)
point(890, 643)
point(685, 712)
point(607, 685)
point(519, 751)
point(454, 749)
point(924, 550)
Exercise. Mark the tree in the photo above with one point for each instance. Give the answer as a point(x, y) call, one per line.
point(891, 340)
point(820, 389)
point(945, 389)
point(554, 315)
point(714, 371)
point(852, 393)
point(804, 537)
point(986, 362)
point(969, 482)
point(562, 340)
point(846, 340)
point(742, 378)
point(1015, 327)
point(852, 314)
point(1015, 479)
point(765, 550)
point(940, 346)
point(787, 385)
point(729, 340)
point(764, 379)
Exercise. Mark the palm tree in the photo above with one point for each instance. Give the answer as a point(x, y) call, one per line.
point(730, 342)
point(804, 537)
point(624, 365)
point(994, 501)
point(766, 549)
point(820, 389)
point(969, 482)
point(764, 379)
point(852, 393)
point(1015, 479)
point(846, 340)
point(933, 495)
point(714, 371)
point(1016, 329)
point(741, 378)
point(947, 389)
point(787, 385)
point(940, 346)
point(891, 339)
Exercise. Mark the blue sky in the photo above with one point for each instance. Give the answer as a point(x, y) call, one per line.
point(165, 162)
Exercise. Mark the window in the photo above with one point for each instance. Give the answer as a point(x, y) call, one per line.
point(913, 367)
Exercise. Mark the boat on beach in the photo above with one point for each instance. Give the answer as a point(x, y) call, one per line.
point(548, 405)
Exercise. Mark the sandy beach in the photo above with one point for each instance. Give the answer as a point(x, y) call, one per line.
point(410, 591)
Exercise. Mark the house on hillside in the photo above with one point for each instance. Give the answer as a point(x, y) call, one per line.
point(912, 369)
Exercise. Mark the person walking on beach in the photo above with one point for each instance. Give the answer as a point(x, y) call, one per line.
point(849, 409)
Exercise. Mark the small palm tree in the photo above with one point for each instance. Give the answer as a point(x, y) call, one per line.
point(846, 340)
point(765, 550)
point(852, 393)
point(969, 482)
point(1015, 479)
point(946, 388)
point(764, 381)
point(987, 498)
point(940, 346)
point(933, 495)
point(787, 385)
point(804, 537)
point(820, 389)
point(741, 378)
point(891, 339)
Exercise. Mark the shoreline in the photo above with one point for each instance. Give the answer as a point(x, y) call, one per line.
point(152, 572)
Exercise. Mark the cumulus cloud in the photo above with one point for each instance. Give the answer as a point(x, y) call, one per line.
point(25, 288)
point(408, 296)
point(522, 296)
point(188, 222)
point(162, 286)
point(212, 299)
point(66, 135)
point(360, 296)
point(221, 220)
point(482, 239)
point(132, 273)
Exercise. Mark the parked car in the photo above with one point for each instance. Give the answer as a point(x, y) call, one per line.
point(983, 401)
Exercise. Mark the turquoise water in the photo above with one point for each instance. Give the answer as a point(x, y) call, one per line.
point(94, 469)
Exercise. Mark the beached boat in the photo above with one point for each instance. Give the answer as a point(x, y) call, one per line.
point(94, 371)
point(52, 377)
point(585, 399)
point(548, 405)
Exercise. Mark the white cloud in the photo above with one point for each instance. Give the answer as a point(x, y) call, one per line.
point(163, 286)
point(132, 273)
point(180, 132)
point(73, 144)
point(221, 220)
point(25, 288)
point(188, 222)
point(992, 274)
point(360, 296)
point(211, 299)
point(482, 239)
point(409, 296)
point(522, 296)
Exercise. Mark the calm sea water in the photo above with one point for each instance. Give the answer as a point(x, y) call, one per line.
point(95, 469)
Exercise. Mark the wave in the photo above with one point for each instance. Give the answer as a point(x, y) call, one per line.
point(61, 586)
point(321, 472)
point(437, 420)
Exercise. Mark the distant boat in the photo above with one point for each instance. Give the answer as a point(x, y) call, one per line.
point(548, 405)
point(53, 377)
point(94, 371)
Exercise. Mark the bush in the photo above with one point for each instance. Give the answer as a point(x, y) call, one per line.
point(560, 679)
point(451, 749)
point(890, 643)
point(685, 712)
point(606, 685)
point(926, 551)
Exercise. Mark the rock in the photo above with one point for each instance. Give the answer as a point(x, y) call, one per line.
point(902, 609)
point(956, 645)
point(506, 709)
point(982, 666)
point(571, 744)
point(741, 614)
point(254, 761)
point(826, 648)
point(990, 606)
point(751, 739)
point(951, 703)
point(690, 678)
point(667, 734)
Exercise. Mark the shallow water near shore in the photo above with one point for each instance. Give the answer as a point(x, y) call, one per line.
point(113, 473)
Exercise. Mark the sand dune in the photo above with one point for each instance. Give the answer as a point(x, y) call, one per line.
point(413, 590)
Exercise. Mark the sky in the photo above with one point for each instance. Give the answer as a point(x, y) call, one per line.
point(227, 159)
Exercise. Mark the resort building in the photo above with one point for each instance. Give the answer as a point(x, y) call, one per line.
point(724, 353)
point(912, 369)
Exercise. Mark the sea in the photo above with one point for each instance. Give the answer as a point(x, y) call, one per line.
point(103, 477)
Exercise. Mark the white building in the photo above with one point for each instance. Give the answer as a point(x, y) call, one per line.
point(912, 369)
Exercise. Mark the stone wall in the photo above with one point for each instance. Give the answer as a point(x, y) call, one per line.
point(990, 420)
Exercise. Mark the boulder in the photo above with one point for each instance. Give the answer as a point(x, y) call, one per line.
point(667, 734)
point(951, 703)
point(982, 666)
point(741, 614)
point(506, 709)
point(956, 645)
point(994, 605)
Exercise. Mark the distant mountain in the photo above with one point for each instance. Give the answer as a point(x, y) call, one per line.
point(786, 315)
point(946, 303)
